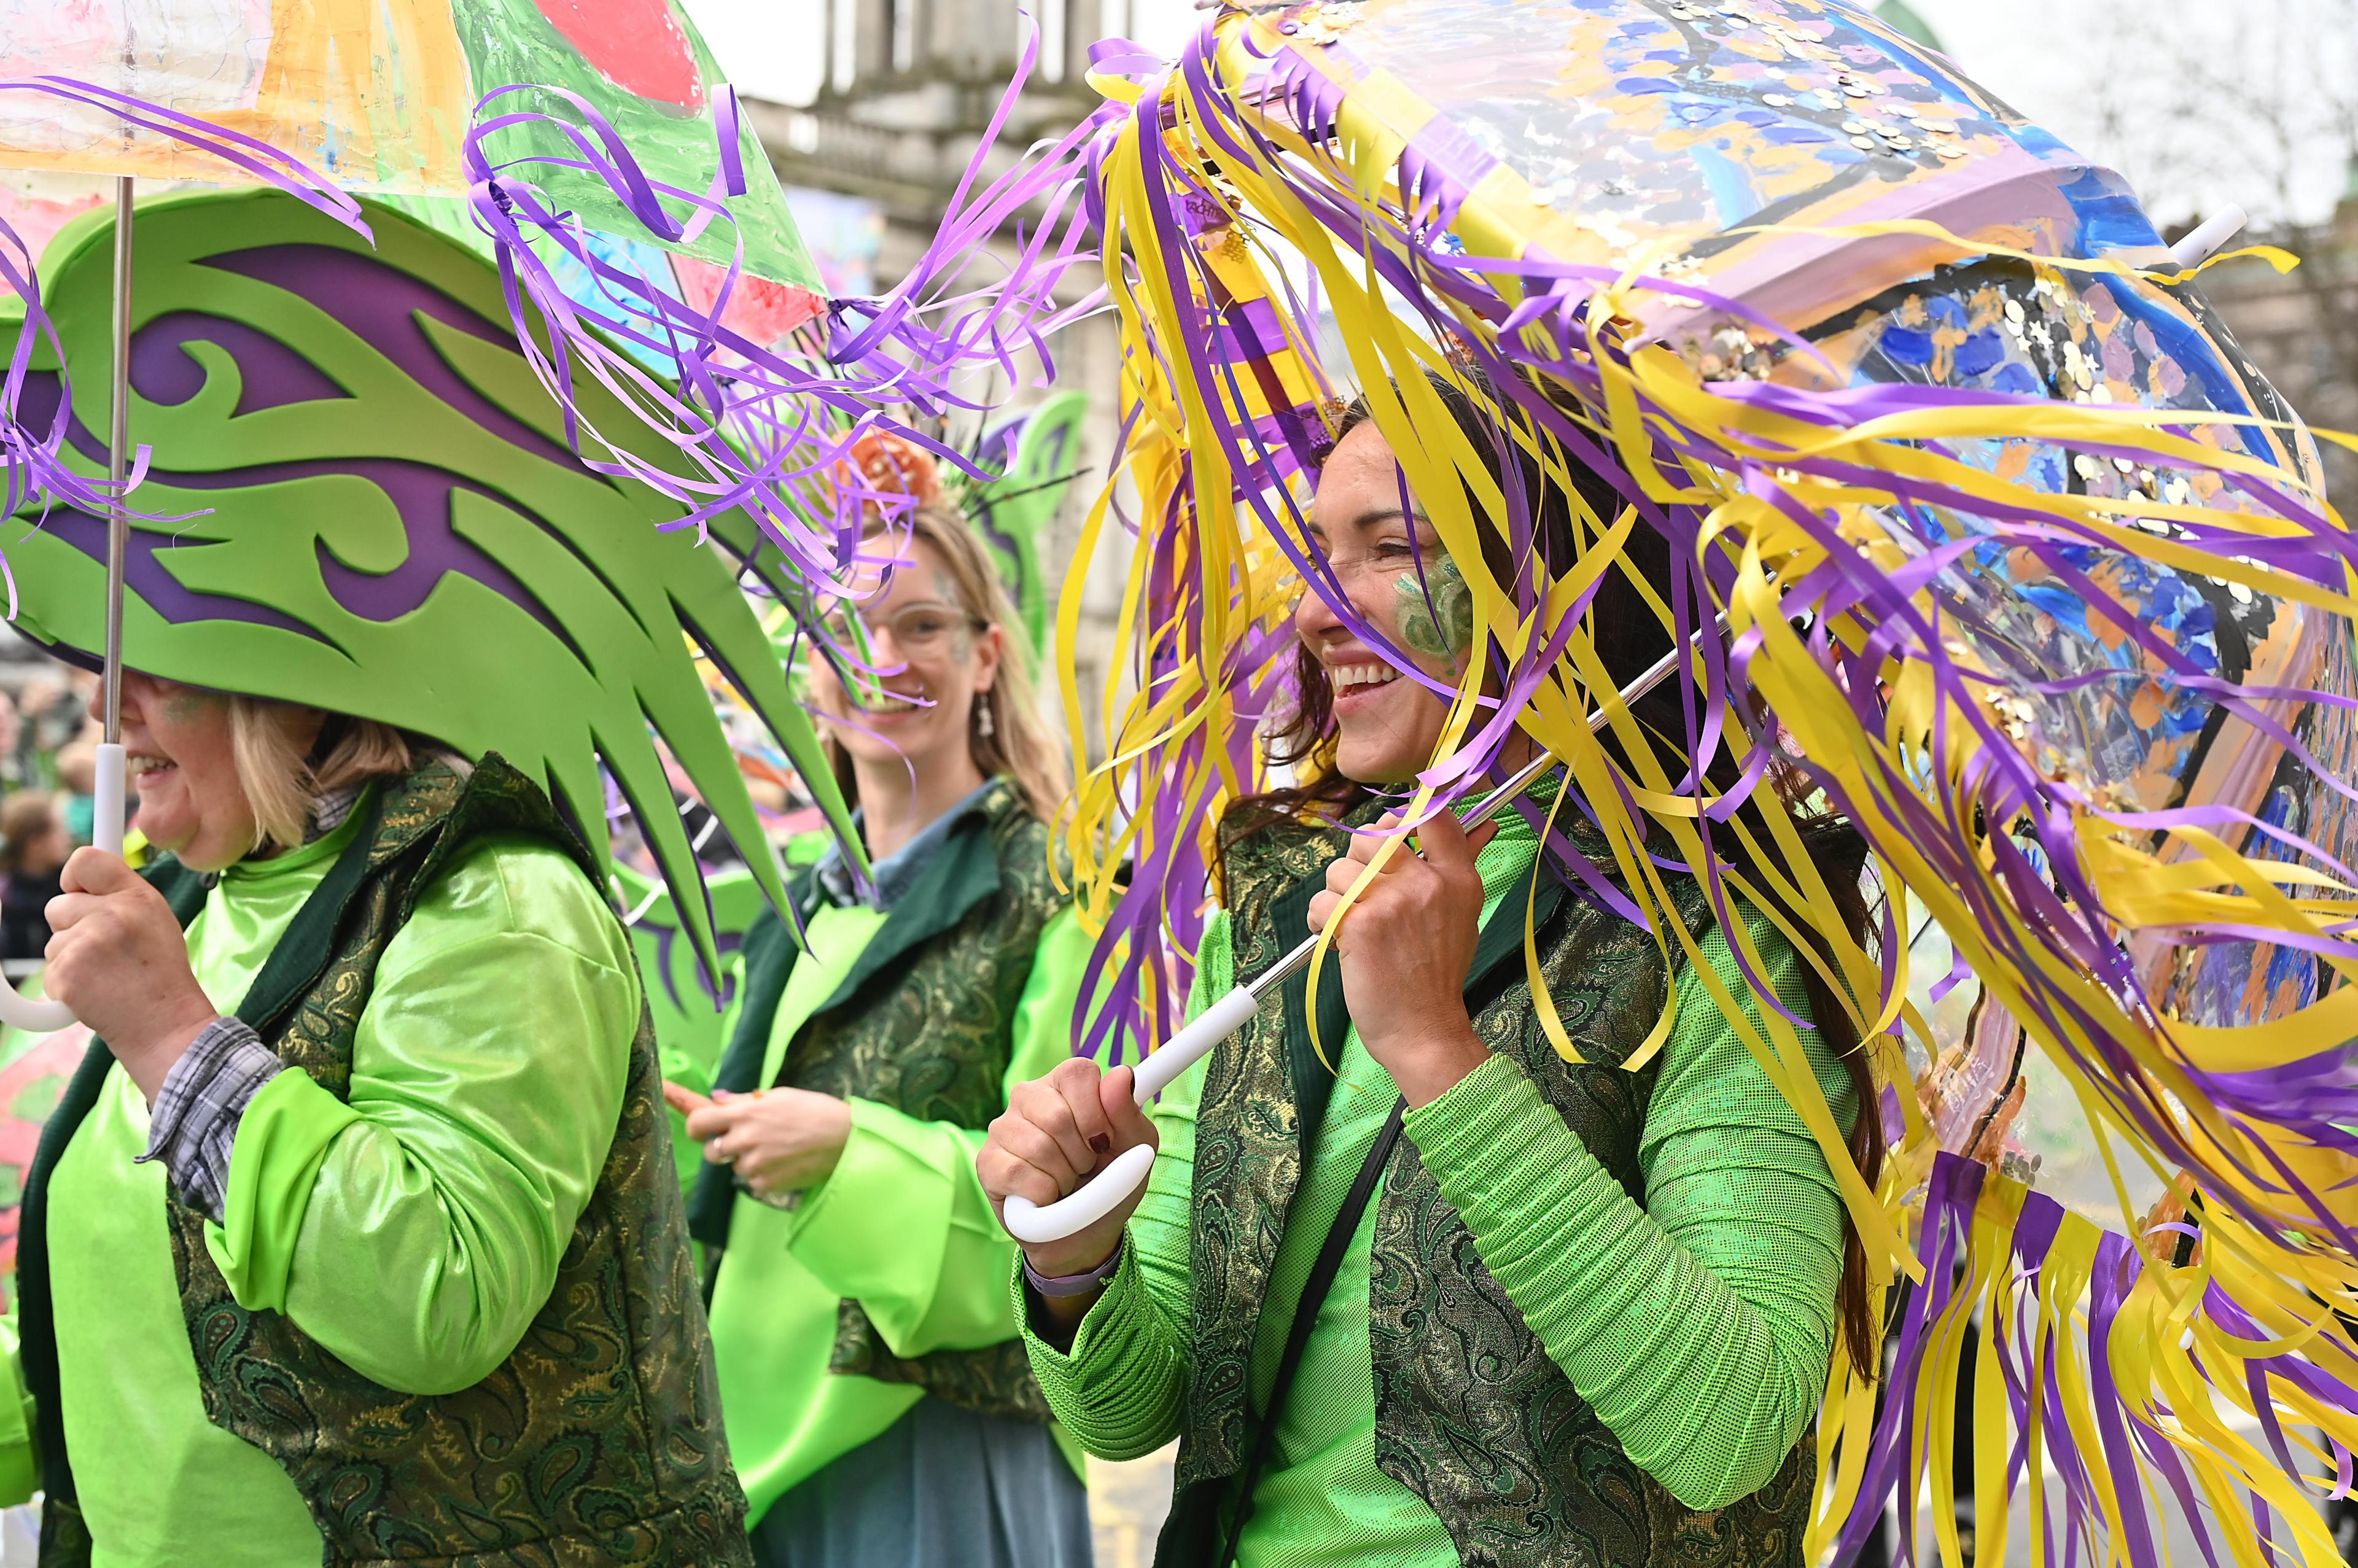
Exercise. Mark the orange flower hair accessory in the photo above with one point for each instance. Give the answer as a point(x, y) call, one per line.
point(889, 465)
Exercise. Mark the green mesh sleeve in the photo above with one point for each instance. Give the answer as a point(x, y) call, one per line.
point(1700, 1327)
point(1120, 1389)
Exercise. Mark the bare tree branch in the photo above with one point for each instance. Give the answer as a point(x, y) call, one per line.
point(2255, 103)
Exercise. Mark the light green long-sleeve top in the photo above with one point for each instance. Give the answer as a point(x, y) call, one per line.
point(414, 1231)
point(901, 1225)
point(1699, 1326)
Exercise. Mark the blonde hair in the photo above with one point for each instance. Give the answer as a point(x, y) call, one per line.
point(1019, 746)
point(271, 741)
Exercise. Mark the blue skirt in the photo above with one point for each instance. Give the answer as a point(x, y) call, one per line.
point(942, 1488)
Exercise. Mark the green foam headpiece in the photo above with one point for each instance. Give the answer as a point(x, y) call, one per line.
point(1038, 453)
point(392, 524)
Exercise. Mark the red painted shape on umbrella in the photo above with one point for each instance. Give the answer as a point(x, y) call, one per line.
point(758, 309)
point(637, 45)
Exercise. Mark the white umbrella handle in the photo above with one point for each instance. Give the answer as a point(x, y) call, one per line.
point(107, 790)
point(2210, 239)
point(1105, 1192)
point(18, 1011)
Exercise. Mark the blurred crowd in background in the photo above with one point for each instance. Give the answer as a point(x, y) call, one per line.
point(48, 760)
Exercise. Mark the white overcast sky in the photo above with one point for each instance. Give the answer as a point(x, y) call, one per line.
point(2051, 59)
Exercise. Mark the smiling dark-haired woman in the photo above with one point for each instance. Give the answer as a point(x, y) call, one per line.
point(1457, 1300)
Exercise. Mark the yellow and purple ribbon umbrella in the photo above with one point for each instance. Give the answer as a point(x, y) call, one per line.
point(2023, 564)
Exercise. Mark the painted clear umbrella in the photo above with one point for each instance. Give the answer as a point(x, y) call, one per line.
point(270, 93)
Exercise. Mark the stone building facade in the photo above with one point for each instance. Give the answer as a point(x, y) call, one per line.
point(910, 88)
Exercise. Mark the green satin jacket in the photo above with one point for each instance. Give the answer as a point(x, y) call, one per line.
point(887, 1281)
point(449, 1312)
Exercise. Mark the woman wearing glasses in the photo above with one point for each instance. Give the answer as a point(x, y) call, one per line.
point(878, 1404)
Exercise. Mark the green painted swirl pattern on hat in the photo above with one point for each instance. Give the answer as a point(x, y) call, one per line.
point(374, 510)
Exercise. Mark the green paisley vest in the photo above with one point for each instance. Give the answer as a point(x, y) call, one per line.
point(924, 1023)
point(597, 1442)
point(1471, 1414)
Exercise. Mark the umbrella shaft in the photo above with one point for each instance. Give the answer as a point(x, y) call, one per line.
point(118, 464)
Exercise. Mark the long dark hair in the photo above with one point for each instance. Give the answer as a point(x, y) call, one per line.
point(1629, 638)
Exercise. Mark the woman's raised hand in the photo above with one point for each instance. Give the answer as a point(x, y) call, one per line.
point(780, 1140)
point(120, 961)
point(1055, 1131)
point(1406, 945)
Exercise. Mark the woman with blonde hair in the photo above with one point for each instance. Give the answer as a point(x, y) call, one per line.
point(878, 1399)
point(356, 1236)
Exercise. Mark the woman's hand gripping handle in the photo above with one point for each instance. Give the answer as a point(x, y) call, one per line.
point(1068, 1206)
point(1067, 1218)
point(46, 1017)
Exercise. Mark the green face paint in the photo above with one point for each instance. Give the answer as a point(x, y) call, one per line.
point(187, 707)
point(961, 639)
point(1445, 628)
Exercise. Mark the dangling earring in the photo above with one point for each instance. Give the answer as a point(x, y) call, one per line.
point(983, 726)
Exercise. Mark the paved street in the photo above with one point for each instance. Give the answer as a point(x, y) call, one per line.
point(1127, 1502)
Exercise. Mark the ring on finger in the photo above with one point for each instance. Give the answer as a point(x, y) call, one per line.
point(788, 1201)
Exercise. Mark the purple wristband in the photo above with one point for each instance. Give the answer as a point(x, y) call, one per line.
point(1065, 1286)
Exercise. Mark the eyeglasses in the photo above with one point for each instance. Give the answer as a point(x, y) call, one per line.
point(918, 630)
